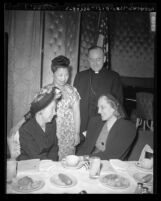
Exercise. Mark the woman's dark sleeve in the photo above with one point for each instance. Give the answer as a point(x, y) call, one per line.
point(87, 146)
point(51, 130)
point(83, 149)
point(53, 153)
point(29, 147)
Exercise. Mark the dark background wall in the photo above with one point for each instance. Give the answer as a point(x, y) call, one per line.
point(132, 53)
point(131, 44)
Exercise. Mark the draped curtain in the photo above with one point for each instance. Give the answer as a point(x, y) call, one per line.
point(24, 30)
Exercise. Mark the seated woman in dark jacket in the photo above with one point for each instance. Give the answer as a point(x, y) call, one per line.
point(37, 135)
point(109, 136)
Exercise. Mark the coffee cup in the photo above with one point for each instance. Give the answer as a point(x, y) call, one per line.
point(72, 160)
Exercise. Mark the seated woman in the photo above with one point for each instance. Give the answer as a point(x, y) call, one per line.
point(109, 136)
point(37, 135)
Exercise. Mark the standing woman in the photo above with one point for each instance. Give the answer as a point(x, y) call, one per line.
point(68, 112)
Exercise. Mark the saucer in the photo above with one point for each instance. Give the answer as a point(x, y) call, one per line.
point(65, 165)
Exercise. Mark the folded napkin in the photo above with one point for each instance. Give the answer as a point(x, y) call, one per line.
point(146, 158)
point(147, 152)
point(28, 165)
point(45, 165)
point(118, 164)
point(106, 166)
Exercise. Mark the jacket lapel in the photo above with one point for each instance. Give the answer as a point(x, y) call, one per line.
point(95, 131)
point(112, 134)
point(37, 133)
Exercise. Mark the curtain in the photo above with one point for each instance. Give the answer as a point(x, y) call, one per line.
point(24, 30)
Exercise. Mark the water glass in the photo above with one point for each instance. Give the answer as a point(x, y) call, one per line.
point(94, 170)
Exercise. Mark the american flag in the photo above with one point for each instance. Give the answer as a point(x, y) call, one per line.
point(102, 40)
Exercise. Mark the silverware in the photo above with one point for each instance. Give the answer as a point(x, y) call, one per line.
point(86, 164)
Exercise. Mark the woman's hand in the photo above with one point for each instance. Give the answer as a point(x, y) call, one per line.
point(76, 115)
point(76, 140)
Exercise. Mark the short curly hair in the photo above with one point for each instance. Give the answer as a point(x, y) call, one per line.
point(60, 62)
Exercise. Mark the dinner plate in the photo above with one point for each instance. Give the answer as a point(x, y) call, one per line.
point(143, 178)
point(114, 181)
point(138, 166)
point(54, 179)
point(37, 184)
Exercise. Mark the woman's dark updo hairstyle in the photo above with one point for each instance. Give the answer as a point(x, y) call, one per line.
point(59, 62)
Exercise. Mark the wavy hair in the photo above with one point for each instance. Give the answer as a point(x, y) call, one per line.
point(114, 103)
point(60, 62)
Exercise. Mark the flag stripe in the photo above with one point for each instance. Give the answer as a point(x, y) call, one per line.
point(103, 31)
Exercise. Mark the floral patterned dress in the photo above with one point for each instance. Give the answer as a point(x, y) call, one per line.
point(65, 121)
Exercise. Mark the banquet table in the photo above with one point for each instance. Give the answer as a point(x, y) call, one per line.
point(48, 168)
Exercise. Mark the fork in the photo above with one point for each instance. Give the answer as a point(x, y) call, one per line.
point(86, 165)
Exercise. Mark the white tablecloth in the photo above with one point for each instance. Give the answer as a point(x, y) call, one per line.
point(91, 186)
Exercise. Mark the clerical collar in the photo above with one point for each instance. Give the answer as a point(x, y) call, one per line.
point(97, 72)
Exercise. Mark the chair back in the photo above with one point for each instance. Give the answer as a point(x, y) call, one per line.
point(144, 137)
point(144, 102)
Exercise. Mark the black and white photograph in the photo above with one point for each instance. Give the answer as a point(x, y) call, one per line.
point(80, 98)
